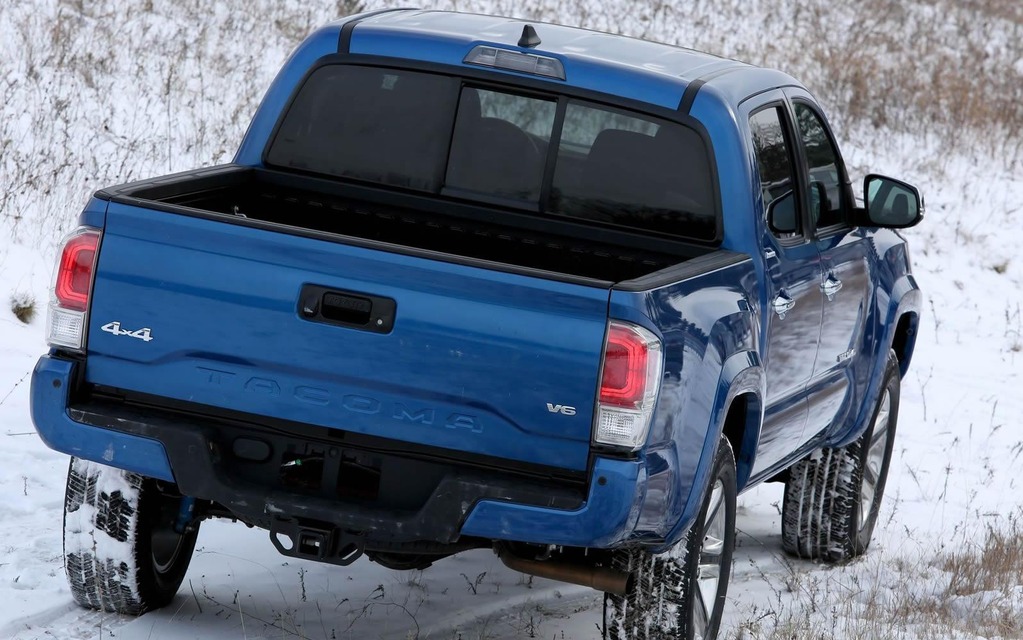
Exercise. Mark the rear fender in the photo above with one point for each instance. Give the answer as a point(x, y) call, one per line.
point(742, 374)
point(711, 338)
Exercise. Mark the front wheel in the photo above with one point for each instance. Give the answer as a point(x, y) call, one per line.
point(122, 550)
point(680, 594)
point(833, 496)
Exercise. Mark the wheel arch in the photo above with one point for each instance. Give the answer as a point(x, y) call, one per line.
point(742, 429)
point(738, 415)
point(896, 324)
point(904, 339)
point(898, 321)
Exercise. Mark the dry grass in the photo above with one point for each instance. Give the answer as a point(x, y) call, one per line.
point(975, 590)
point(104, 92)
point(940, 68)
point(996, 566)
point(944, 69)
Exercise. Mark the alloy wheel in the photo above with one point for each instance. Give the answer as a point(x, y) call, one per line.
point(711, 554)
point(875, 460)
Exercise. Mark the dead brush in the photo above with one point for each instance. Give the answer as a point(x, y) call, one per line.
point(23, 306)
point(973, 591)
point(933, 67)
point(995, 567)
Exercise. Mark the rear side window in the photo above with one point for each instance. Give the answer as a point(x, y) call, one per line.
point(447, 136)
point(378, 125)
point(634, 171)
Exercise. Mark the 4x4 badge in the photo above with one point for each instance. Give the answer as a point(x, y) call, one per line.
point(115, 328)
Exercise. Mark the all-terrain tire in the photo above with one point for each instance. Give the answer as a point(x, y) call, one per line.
point(121, 552)
point(832, 497)
point(680, 594)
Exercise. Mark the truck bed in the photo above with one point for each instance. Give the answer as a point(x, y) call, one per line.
point(545, 245)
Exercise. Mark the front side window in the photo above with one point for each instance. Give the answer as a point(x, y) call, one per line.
point(823, 169)
point(777, 172)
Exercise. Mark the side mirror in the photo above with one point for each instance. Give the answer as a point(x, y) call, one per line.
point(891, 203)
point(781, 214)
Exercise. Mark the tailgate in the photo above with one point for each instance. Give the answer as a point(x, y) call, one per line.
point(468, 359)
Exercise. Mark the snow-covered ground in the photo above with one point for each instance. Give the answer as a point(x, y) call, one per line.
point(953, 473)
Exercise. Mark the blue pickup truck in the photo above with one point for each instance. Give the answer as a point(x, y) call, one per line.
point(474, 282)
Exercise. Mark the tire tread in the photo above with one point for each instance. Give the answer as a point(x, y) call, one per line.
point(659, 599)
point(822, 493)
point(109, 515)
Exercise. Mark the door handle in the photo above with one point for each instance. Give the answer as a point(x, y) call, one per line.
point(831, 286)
point(782, 305)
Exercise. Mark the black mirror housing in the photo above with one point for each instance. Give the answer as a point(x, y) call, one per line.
point(891, 203)
point(781, 214)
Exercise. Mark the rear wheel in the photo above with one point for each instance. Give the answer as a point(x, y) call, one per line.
point(680, 594)
point(122, 552)
point(833, 496)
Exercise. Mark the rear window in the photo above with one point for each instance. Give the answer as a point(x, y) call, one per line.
point(499, 146)
point(634, 171)
point(377, 125)
point(442, 135)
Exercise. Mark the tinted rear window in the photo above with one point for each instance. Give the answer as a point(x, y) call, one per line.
point(377, 125)
point(499, 146)
point(440, 135)
point(633, 170)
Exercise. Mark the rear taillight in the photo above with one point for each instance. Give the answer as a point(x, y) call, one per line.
point(629, 382)
point(72, 285)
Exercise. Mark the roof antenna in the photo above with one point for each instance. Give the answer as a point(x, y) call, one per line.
point(529, 38)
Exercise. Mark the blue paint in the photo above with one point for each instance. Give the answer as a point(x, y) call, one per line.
point(607, 517)
point(480, 352)
point(51, 381)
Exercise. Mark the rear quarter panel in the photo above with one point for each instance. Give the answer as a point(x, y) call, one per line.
point(711, 346)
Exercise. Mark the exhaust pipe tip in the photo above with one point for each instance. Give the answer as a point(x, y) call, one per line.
point(599, 578)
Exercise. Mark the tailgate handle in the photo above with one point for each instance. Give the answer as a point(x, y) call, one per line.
point(346, 308)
